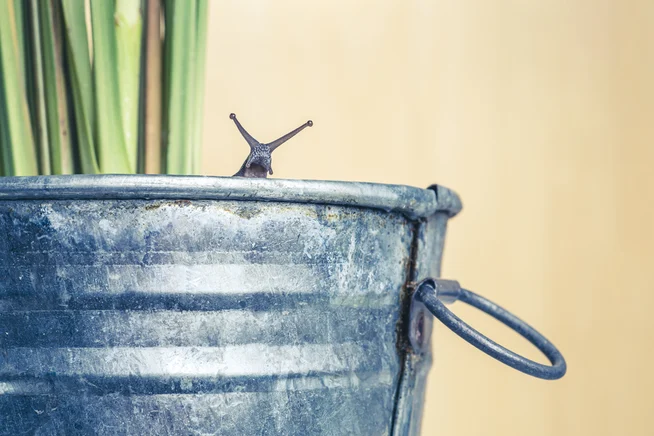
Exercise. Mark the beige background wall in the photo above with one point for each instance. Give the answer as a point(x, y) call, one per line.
point(539, 113)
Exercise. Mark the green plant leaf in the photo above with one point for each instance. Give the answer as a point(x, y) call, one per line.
point(19, 155)
point(165, 97)
point(19, 22)
point(79, 66)
point(57, 102)
point(109, 133)
point(200, 61)
point(128, 30)
point(5, 138)
point(180, 34)
point(38, 94)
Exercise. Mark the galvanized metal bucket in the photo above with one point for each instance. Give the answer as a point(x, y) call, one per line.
point(143, 305)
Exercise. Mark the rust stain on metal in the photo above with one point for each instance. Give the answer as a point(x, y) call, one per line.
point(159, 204)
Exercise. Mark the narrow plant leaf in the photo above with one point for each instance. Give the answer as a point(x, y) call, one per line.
point(181, 18)
point(5, 138)
point(200, 61)
point(128, 30)
point(59, 134)
point(109, 133)
point(21, 153)
point(30, 75)
point(79, 66)
point(6, 168)
point(140, 146)
point(165, 90)
point(19, 23)
point(38, 93)
point(153, 83)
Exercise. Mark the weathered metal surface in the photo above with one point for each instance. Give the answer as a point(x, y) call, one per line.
point(411, 202)
point(428, 245)
point(187, 305)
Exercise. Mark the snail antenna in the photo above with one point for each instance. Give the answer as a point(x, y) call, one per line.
point(251, 141)
point(277, 142)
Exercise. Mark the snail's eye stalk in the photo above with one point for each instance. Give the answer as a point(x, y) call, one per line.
point(277, 142)
point(251, 141)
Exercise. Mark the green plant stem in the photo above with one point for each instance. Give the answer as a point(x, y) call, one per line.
point(5, 137)
point(165, 76)
point(57, 102)
point(19, 156)
point(29, 74)
point(128, 29)
point(180, 23)
point(39, 93)
point(19, 23)
point(79, 66)
point(109, 135)
point(199, 82)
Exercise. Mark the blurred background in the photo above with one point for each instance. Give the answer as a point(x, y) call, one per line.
point(539, 114)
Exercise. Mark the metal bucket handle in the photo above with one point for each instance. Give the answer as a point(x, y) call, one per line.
point(432, 293)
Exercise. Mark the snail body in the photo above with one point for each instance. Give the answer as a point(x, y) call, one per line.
point(259, 161)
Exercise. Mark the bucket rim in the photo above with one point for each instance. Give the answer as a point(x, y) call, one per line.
point(411, 201)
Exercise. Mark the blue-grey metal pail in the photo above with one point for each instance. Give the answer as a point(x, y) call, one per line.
point(161, 305)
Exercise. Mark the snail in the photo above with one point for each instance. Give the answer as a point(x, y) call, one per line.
point(259, 161)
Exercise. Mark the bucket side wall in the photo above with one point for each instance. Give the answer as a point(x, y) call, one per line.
point(430, 241)
point(165, 317)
